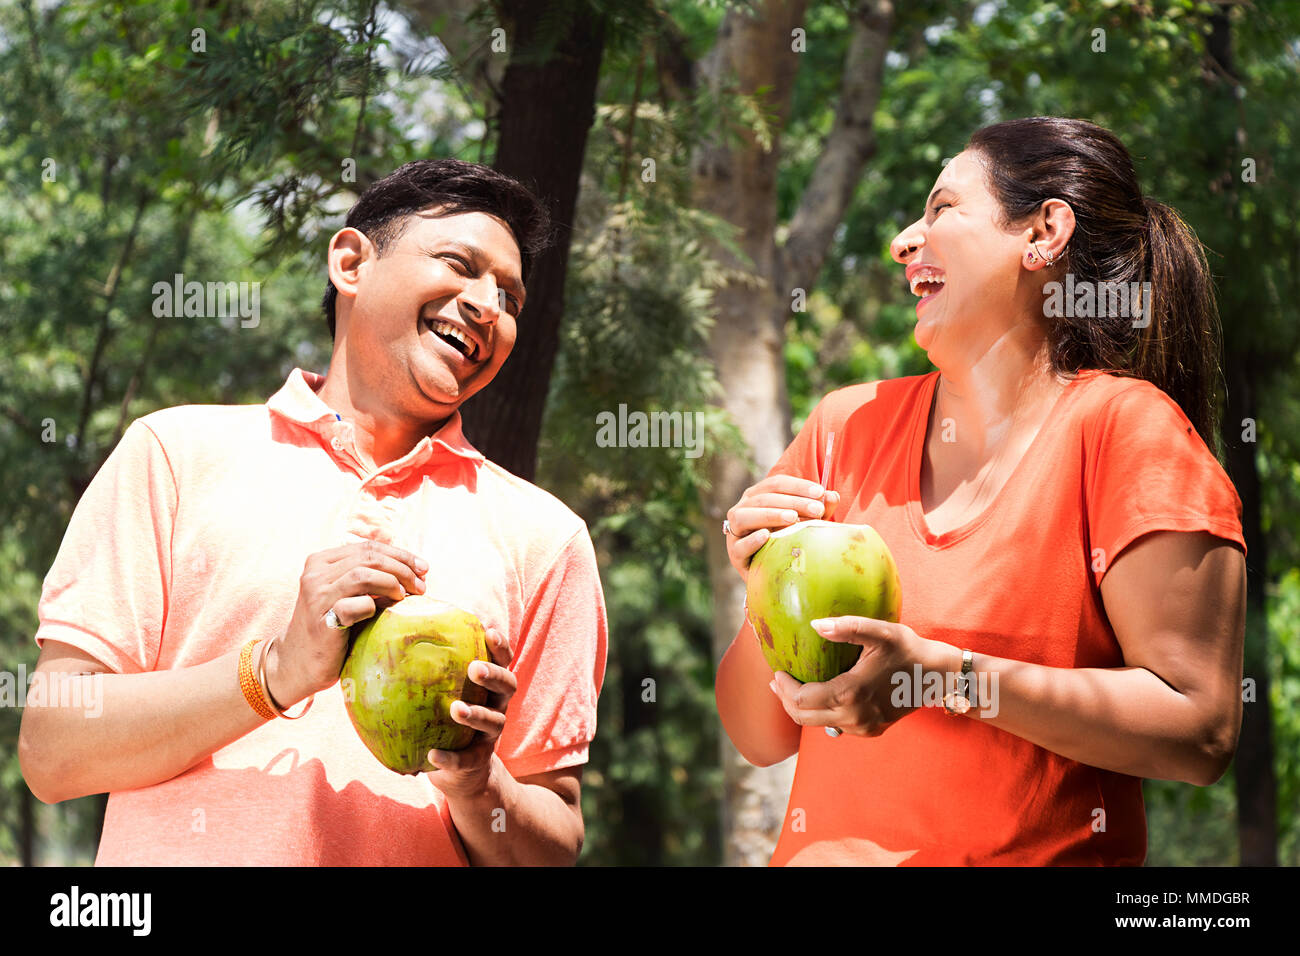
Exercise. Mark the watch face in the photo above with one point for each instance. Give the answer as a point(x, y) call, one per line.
point(956, 704)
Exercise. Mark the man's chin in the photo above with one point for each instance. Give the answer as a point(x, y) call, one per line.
point(448, 392)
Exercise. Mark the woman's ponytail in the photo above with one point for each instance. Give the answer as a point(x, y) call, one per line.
point(1120, 241)
point(1179, 338)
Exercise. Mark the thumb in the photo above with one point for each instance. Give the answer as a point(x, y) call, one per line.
point(831, 500)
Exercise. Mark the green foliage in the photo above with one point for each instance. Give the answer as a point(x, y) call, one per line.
point(112, 191)
point(637, 305)
point(231, 164)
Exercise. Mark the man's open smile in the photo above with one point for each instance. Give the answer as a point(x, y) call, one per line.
point(465, 343)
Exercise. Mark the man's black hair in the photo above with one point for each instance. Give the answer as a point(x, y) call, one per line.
point(450, 186)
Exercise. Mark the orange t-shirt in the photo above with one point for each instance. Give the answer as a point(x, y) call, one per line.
point(1115, 459)
point(191, 540)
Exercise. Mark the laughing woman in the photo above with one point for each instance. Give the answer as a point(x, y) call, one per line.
point(1063, 533)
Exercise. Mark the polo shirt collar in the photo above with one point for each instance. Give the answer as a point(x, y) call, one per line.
point(298, 401)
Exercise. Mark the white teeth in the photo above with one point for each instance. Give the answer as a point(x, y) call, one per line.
point(446, 328)
point(926, 275)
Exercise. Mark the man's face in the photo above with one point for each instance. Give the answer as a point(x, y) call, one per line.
point(433, 318)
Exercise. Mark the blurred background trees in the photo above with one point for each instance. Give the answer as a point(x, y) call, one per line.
point(727, 179)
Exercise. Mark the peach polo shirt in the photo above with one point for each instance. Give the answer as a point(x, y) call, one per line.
point(191, 540)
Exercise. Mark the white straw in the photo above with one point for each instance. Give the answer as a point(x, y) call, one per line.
point(826, 462)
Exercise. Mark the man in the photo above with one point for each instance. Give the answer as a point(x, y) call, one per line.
point(213, 534)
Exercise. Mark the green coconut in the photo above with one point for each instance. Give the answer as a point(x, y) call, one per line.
point(812, 570)
point(404, 669)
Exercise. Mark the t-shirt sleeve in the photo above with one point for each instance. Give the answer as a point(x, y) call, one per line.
point(106, 593)
point(559, 665)
point(1148, 470)
point(803, 457)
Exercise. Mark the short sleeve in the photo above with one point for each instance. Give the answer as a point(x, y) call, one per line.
point(559, 665)
point(803, 457)
point(106, 593)
point(1148, 470)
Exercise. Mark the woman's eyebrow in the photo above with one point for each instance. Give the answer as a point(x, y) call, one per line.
point(937, 190)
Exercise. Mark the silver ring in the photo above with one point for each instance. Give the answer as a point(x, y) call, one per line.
point(726, 527)
point(833, 731)
point(332, 620)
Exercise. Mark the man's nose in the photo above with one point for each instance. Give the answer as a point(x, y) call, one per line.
point(482, 299)
point(908, 243)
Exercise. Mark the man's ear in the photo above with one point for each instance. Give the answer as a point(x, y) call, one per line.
point(349, 251)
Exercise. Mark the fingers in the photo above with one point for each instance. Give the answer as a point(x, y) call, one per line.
point(368, 551)
point(748, 520)
point(779, 501)
point(353, 610)
point(829, 704)
point(787, 485)
point(743, 549)
point(495, 678)
point(805, 698)
point(367, 581)
point(854, 630)
point(806, 507)
point(499, 647)
point(484, 719)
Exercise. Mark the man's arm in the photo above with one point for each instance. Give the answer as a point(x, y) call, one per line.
point(142, 729)
point(531, 821)
point(131, 730)
point(534, 820)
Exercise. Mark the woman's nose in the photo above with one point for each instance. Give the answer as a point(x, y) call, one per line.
point(907, 243)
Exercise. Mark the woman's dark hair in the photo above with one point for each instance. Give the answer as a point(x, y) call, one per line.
point(450, 186)
point(1119, 237)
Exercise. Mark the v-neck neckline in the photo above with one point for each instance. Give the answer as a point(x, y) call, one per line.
point(916, 458)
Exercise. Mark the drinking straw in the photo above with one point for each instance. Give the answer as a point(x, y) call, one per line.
point(826, 462)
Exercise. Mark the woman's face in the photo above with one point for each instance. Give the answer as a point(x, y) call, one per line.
point(967, 268)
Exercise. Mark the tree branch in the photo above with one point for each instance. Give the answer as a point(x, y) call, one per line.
point(101, 341)
point(850, 143)
point(468, 44)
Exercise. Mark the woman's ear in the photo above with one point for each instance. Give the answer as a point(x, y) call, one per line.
point(1053, 227)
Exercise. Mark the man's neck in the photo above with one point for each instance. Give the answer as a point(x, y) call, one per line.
point(380, 436)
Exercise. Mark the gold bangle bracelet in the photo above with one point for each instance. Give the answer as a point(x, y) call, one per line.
point(249, 685)
point(266, 691)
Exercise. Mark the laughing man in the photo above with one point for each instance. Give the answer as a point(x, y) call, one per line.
point(216, 539)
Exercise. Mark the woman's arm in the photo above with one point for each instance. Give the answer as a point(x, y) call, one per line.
point(1176, 601)
point(752, 717)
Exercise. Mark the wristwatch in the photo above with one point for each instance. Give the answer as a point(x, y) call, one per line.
point(959, 701)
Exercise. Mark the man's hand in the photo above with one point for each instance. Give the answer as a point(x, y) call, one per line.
point(532, 820)
point(348, 579)
point(464, 773)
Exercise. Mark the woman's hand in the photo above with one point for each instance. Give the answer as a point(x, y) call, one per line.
point(776, 502)
point(862, 700)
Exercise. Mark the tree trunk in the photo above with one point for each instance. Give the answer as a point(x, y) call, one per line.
point(546, 112)
point(737, 182)
point(1254, 775)
point(27, 826)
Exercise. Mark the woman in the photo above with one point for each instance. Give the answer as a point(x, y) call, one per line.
point(1054, 510)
